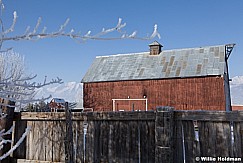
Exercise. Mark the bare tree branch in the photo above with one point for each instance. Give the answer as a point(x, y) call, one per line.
point(36, 35)
point(27, 130)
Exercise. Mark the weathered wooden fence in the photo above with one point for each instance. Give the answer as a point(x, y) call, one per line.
point(211, 136)
point(161, 136)
point(110, 137)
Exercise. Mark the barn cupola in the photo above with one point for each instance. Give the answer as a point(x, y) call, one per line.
point(155, 48)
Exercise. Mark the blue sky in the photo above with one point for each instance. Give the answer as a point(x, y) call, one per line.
point(181, 24)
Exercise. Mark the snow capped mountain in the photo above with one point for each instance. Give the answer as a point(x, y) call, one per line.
point(237, 80)
point(236, 87)
point(70, 91)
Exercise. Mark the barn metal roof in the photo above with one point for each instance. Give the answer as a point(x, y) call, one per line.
point(58, 100)
point(190, 62)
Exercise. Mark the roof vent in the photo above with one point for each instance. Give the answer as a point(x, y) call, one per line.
point(155, 48)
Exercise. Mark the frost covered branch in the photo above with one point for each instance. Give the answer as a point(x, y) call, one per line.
point(11, 28)
point(27, 130)
point(37, 33)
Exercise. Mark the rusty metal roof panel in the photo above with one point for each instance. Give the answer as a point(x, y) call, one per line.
point(189, 62)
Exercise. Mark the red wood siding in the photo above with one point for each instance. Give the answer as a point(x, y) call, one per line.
point(237, 107)
point(204, 93)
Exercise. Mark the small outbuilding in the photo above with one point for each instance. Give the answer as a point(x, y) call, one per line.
point(187, 79)
point(57, 104)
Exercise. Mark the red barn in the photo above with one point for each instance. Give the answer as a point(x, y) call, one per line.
point(57, 104)
point(187, 79)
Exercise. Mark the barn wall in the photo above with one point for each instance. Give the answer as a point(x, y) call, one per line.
point(202, 93)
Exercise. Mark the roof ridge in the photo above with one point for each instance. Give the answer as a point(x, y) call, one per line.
point(122, 54)
point(137, 53)
point(196, 47)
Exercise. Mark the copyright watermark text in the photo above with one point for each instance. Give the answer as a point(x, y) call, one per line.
point(221, 159)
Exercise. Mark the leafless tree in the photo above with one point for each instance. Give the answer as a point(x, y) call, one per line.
point(15, 84)
point(16, 88)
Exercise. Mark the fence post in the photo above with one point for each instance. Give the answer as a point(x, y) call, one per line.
point(164, 134)
point(69, 136)
point(5, 124)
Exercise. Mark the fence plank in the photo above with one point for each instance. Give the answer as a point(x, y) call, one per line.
point(58, 141)
point(128, 142)
point(151, 142)
point(192, 149)
point(105, 140)
point(28, 142)
point(69, 158)
point(238, 139)
point(75, 140)
point(47, 140)
point(90, 142)
point(144, 142)
point(188, 140)
point(178, 143)
point(97, 141)
point(80, 142)
point(223, 140)
point(111, 142)
point(164, 125)
point(35, 141)
point(116, 143)
point(207, 136)
point(20, 152)
point(134, 142)
point(215, 139)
